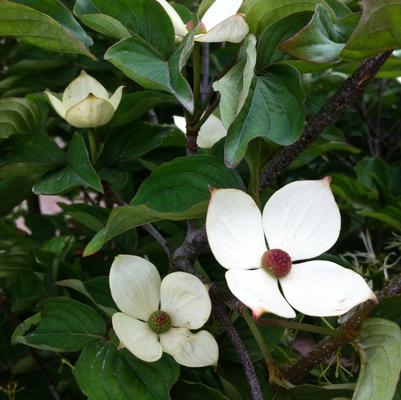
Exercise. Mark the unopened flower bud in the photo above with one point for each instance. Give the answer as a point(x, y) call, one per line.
point(86, 103)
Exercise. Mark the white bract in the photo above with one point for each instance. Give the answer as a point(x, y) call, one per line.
point(303, 220)
point(210, 132)
point(182, 298)
point(86, 103)
point(221, 23)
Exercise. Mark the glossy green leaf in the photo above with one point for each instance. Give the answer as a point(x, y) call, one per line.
point(235, 84)
point(389, 308)
point(180, 184)
point(19, 115)
point(124, 146)
point(123, 18)
point(261, 14)
point(379, 345)
point(273, 110)
point(103, 373)
point(93, 217)
point(29, 155)
point(78, 171)
point(13, 191)
point(80, 287)
point(198, 391)
point(60, 13)
point(123, 219)
point(322, 40)
point(62, 324)
point(134, 105)
point(39, 29)
point(378, 30)
point(311, 392)
point(389, 215)
point(148, 67)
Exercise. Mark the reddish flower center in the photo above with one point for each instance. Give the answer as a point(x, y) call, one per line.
point(277, 262)
point(159, 322)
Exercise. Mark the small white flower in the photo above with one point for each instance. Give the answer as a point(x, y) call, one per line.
point(157, 315)
point(86, 103)
point(300, 221)
point(221, 23)
point(209, 134)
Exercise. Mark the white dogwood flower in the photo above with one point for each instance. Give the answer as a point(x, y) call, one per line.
point(221, 23)
point(300, 221)
point(210, 132)
point(86, 103)
point(157, 315)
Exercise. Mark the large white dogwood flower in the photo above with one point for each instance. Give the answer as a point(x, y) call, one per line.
point(221, 23)
point(209, 134)
point(300, 221)
point(157, 315)
point(86, 103)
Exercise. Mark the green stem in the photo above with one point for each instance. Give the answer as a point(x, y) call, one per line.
point(197, 65)
point(92, 144)
point(300, 326)
point(275, 375)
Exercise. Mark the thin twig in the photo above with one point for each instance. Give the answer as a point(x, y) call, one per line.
point(164, 244)
point(329, 114)
point(220, 312)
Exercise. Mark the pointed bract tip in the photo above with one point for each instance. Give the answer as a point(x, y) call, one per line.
point(258, 312)
point(327, 180)
point(121, 346)
point(212, 189)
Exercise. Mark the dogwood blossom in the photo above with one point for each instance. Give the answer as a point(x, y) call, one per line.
point(210, 132)
point(300, 221)
point(157, 315)
point(86, 103)
point(221, 23)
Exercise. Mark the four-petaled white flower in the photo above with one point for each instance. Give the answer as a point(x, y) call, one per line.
point(210, 132)
point(157, 315)
point(86, 103)
point(300, 221)
point(221, 23)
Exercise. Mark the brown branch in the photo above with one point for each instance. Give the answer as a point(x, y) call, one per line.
point(331, 112)
point(349, 331)
point(220, 312)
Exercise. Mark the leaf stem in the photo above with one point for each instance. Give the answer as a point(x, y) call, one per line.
point(92, 144)
point(197, 67)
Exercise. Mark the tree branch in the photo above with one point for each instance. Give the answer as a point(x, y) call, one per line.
point(329, 114)
point(349, 331)
point(220, 312)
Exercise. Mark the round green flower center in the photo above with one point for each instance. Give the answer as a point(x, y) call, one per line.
point(277, 262)
point(159, 322)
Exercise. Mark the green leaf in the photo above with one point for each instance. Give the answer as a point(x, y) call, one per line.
point(92, 217)
point(273, 110)
point(120, 19)
point(311, 392)
point(122, 147)
point(235, 84)
point(180, 184)
point(379, 344)
point(80, 287)
point(123, 219)
point(144, 64)
point(62, 324)
point(13, 191)
point(77, 172)
point(19, 115)
point(103, 373)
point(29, 155)
point(390, 215)
point(15, 260)
point(60, 13)
point(378, 30)
point(389, 308)
point(38, 29)
point(261, 14)
point(274, 34)
point(322, 40)
point(198, 391)
point(134, 105)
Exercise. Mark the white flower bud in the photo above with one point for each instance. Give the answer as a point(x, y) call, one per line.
point(86, 103)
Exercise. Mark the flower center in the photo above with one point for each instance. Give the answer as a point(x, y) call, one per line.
point(277, 262)
point(159, 322)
